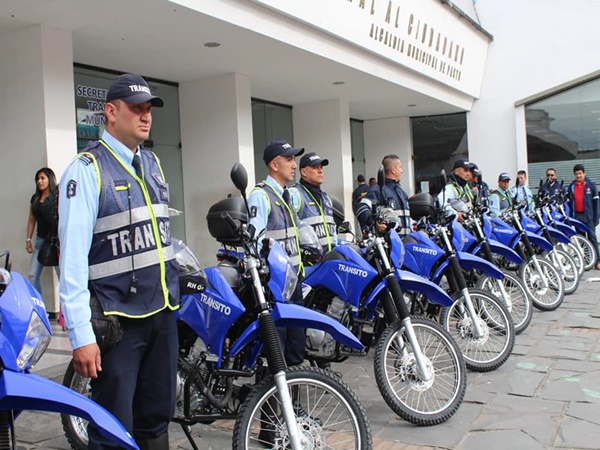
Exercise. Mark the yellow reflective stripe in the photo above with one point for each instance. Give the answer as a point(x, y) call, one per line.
point(119, 220)
point(161, 258)
point(131, 316)
point(122, 188)
point(123, 265)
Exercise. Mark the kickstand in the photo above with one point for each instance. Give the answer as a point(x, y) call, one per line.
point(188, 433)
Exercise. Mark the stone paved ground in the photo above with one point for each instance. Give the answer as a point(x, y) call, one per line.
point(547, 396)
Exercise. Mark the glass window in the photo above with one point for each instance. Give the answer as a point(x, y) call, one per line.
point(437, 142)
point(269, 121)
point(564, 130)
point(357, 143)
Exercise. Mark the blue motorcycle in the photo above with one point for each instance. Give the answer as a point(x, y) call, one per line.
point(231, 364)
point(25, 333)
point(560, 211)
point(418, 368)
point(480, 324)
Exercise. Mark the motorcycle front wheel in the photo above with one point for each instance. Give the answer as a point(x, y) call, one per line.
point(76, 427)
point(328, 414)
point(588, 250)
point(492, 348)
point(565, 265)
point(521, 306)
point(544, 298)
point(418, 400)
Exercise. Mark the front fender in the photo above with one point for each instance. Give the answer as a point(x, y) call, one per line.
point(25, 391)
point(539, 241)
point(473, 262)
point(567, 230)
point(288, 315)
point(558, 235)
point(580, 226)
point(411, 282)
point(507, 252)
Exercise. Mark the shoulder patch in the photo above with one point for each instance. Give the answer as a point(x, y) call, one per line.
point(253, 211)
point(71, 188)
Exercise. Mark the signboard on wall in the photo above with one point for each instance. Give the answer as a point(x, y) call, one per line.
point(423, 35)
point(90, 97)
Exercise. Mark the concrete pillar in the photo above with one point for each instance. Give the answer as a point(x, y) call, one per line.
point(390, 136)
point(37, 125)
point(324, 128)
point(216, 132)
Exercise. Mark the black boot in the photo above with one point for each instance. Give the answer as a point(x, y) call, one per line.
point(158, 443)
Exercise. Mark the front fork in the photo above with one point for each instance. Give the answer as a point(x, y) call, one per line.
point(505, 296)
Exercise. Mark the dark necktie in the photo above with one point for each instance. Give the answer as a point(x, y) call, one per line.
point(286, 196)
point(137, 165)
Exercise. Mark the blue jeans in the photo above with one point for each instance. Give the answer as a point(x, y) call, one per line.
point(35, 268)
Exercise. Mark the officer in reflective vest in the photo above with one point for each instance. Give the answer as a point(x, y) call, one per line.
point(312, 205)
point(501, 198)
point(119, 278)
point(457, 186)
point(271, 210)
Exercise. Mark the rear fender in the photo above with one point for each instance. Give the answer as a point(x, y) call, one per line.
point(25, 391)
point(473, 262)
point(507, 252)
point(288, 315)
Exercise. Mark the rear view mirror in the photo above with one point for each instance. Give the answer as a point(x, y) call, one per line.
point(380, 177)
point(239, 177)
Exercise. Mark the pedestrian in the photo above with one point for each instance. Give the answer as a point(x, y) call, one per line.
point(119, 270)
point(360, 191)
point(501, 198)
point(311, 203)
point(551, 186)
point(271, 210)
point(394, 197)
point(583, 200)
point(41, 218)
point(521, 191)
point(457, 186)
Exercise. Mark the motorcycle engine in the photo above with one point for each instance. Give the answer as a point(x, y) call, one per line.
point(320, 343)
point(197, 400)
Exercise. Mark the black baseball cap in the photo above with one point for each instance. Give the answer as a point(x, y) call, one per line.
point(132, 89)
point(475, 170)
point(464, 163)
point(279, 147)
point(312, 159)
point(504, 177)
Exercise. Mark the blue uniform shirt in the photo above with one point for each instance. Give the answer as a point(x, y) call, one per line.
point(78, 210)
point(523, 193)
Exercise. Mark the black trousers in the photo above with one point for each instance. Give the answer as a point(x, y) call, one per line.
point(293, 340)
point(591, 235)
point(137, 382)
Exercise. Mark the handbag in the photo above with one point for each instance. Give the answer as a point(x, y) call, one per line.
point(48, 253)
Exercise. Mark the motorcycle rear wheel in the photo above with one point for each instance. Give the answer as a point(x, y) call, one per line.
point(421, 402)
point(521, 309)
point(331, 415)
point(544, 298)
point(492, 349)
point(588, 250)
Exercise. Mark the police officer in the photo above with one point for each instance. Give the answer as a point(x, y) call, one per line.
point(551, 186)
point(394, 197)
point(120, 278)
point(457, 185)
point(271, 209)
point(360, 191)
point(501, 198)
point(478, 186)
point(522, 191)
point(312, 205)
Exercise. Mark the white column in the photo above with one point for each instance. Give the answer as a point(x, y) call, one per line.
point(216, 132)
point(324, 128)
point(390, 136)
point(38, 129)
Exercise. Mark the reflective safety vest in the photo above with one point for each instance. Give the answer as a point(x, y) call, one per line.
point(463, 193)
point(281, 224)
point(397, 200)
point(505, 199)
point(132, 266)
point(317, 216)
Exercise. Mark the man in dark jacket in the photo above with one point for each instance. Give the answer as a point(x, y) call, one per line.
point(360, 191)
point(583, 200)
point(551, 186)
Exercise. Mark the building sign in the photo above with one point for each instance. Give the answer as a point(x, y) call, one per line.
point(90, 97)
point(423, 35)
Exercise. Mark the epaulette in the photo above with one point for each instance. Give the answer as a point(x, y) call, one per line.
point(85, 158)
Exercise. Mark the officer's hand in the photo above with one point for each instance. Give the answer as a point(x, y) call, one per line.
point(381, 227)
point(86, 360)
point(460, 216)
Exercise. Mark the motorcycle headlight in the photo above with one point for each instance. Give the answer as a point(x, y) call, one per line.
point(291, 280)
point(37, 340)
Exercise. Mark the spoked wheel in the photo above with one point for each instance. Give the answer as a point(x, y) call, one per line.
point(521, 307)
point(419, 400)
point(491, 348)
point(565, 266)
point(328, 414)
point(576, 254)
point(75, 427)
point(588, 250)
point(546, 289)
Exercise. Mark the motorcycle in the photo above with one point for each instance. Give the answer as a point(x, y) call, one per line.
point(419, 370)
point(231, 363)
point(479, 322)
point(25, 333)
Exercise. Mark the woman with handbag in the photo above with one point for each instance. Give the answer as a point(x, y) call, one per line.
point(41, 216)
